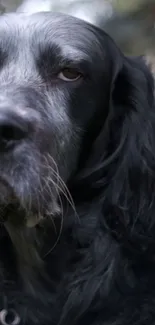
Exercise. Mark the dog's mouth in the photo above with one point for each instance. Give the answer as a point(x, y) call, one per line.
point(28, 198)
point(14, 214)
point(11, 210)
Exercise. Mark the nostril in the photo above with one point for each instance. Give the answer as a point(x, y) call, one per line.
point(13, 129)
point(16, 125)
point(11, 133)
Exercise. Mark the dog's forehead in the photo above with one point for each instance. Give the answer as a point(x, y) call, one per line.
point(45, 27)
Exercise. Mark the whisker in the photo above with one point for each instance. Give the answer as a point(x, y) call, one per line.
point(49, 189)
point(61, 227)
point(62, 186)
point(57, 240)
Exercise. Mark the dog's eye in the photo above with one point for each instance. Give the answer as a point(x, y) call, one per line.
point(69, 74)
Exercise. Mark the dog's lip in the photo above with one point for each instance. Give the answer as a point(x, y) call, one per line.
point(11, 213)
point(18, 217)
point(10, 209)
point(33, 221)
point(16, 214)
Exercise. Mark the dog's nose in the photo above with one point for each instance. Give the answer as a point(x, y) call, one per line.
point(14, 127)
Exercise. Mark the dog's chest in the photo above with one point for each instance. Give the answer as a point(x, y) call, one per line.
point(40, 303)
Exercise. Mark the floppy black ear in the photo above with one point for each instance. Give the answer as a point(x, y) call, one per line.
point(120, 170)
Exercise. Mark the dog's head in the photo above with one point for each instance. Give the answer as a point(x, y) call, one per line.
point(55, 81)
point(72, 108)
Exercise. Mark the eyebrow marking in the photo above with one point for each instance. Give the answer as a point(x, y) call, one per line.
point(73, 54)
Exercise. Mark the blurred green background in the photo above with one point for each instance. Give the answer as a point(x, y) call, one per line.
point(130, 22)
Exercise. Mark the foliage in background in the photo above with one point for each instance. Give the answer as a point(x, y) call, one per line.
point(130, 22)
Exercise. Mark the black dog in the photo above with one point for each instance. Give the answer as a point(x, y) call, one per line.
point(77, 176)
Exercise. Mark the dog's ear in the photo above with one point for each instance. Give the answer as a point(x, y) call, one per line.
point(121, 166)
